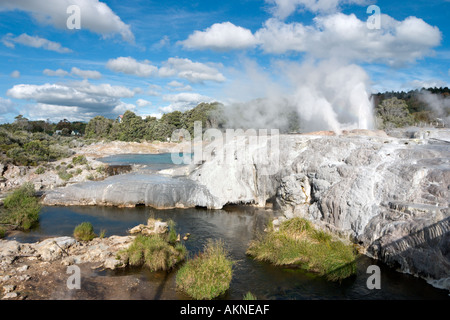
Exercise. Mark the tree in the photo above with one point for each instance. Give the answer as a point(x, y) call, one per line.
point(99, 127)
point(393, 113)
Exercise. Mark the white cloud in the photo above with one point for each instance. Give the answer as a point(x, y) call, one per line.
point(129, 65)
point(221, 36)
point(191, 71)
point(33, 41)
point(15, 74)
point(178, 86)
point(56, 73)
point(183, 101)
point(143, 103)
point(339, 36)
point(96, 16)
point(80, 97)
point(279, 37)
point(284, 8)
point(86, 74)
point(6, 106)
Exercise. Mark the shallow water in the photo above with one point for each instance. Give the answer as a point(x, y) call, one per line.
point(236, 226)
point(148, 161)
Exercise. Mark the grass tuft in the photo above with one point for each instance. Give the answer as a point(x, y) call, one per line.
point(154, 252)
point(207, 275)
point(299, 243)
point(84, 232)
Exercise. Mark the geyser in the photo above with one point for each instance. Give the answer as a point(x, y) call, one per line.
point(311, 96)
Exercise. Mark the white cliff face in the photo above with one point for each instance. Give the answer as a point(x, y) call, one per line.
point(389, 194)
point(133, 189)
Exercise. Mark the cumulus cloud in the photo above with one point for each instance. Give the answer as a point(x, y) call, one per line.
point(284, 8)
point(143, 103)
point(221, 36)
point(183, 101)
point(179, 86)
point(96, 16)
point(345, 36)
point(55, 73)
point(129, 65)
point(79, 97)
point(86, 74)
point(192, 71)
point(33, 41)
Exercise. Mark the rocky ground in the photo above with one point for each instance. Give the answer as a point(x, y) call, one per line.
point(40, 271)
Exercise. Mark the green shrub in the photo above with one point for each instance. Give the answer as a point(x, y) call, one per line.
point(208, 275)
point(22, 208)
point(40, 170)
point(2, 232)
point(153, 252)
point(64, 175)
point(101, 169)
point(298, 243)
point(79, 160)
point(84, 232)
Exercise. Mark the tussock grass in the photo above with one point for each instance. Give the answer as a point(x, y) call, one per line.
point(84, 232)
point(154, 252)
point(21, 208)
point(250, 296)
point(207, 275)
point(298, 243)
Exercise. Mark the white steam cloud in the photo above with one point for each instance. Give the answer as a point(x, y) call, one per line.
point(324, 95)
point(439, 104)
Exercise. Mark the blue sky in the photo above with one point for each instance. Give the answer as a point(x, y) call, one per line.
point(153, 57)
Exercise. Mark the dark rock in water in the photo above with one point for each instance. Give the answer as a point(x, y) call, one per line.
point(114, 170)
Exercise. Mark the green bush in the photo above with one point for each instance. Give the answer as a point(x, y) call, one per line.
point(154, 252)
point(208, 275)
point(79, 160)
point(21, 208)
point(40, 170)
point(84, 232)
point(64, 175)
point(2, 232)
point(299, 243)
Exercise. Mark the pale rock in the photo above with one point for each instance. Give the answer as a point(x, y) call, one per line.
point(9, 288)
point(10, 295)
